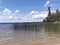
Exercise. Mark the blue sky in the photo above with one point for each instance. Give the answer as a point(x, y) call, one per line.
point(26, 10)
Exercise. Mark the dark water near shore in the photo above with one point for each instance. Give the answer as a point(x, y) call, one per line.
point(30, 34)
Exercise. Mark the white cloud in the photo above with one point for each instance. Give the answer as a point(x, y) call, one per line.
point(47, 3)
point(41, 16)
point(33, 16)
point(33, 12)
point(38, 17)
point(7, 11)
point(17, 11)
point(8, 15)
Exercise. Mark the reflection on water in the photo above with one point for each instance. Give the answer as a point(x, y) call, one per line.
point(30, 34)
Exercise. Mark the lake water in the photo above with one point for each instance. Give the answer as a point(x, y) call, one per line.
point(30, 34)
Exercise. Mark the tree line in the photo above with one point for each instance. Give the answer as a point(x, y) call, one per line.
point(52, 17)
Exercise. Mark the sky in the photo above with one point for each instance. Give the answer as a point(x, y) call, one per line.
point(26, 10)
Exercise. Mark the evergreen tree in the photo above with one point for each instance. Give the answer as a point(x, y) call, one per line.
point(57, 11)
point(49, 11)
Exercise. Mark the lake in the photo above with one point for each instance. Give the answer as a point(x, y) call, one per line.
point(30, 34)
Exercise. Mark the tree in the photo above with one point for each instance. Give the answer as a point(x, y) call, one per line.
point(49, 11)
point(57, 11)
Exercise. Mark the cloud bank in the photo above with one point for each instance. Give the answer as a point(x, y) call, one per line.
point(9, 16)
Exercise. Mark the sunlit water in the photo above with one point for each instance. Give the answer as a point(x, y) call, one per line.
point(30, 34)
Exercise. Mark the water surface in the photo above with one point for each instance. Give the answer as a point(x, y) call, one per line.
point(30, 34)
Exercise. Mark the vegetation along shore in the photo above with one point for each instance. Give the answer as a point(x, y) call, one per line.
point(52, 17)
